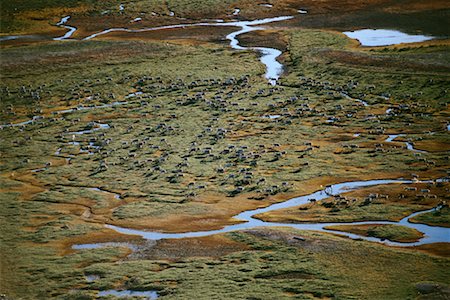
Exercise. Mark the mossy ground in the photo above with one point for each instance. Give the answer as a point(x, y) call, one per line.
point(439, 217)
point(394, 233)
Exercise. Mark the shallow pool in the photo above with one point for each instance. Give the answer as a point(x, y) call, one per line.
point(384, 37)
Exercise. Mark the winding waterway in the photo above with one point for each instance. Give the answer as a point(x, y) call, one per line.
point(274, 69)
point(409, 145)
point(432, 234)
point(69, 33)
point(269, 56)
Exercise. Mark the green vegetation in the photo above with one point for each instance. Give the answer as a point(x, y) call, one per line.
point(25, 16)
point(394, 233)
point(326, 212)
point(371, 204)
point(275, 264)
point(439, 217)
point(385, 75)
point(277, 267)
point(177, 137)
point(19, 15)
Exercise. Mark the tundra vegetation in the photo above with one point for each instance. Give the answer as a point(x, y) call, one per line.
point(174, 131)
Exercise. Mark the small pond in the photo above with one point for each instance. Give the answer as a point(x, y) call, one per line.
point(384, 37)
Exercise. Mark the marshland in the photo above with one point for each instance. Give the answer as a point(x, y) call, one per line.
point(224, 149)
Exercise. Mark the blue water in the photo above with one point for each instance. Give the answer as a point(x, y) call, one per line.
point(268, 55)
point(384, 37)
point(432, 234)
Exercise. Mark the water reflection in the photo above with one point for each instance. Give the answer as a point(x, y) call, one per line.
point(384, 37)
point(432, 234)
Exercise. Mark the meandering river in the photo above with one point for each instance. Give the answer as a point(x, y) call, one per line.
point(269, 56)
point(274, 69)
point(432, 234)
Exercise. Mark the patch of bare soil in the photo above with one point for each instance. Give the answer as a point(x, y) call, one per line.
point(175, 249)
point(264, 38)
point(438, 249)
point(294, 239)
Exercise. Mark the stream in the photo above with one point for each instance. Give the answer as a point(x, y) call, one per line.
point(274, 69)
point(432, 234)
point(391, 138)
point(69, 33)
point(269, 56)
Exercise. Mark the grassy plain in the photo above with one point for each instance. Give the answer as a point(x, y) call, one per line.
point(38, 17)
point(392, 233)
point(439, 217)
